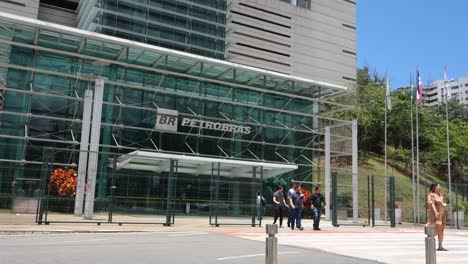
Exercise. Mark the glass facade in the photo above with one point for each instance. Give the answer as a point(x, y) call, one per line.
point(196, 27)
point(48, 69)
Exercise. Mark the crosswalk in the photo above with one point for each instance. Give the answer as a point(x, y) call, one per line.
point(387, 247)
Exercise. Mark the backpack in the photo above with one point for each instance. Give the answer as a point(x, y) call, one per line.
point(263, 201)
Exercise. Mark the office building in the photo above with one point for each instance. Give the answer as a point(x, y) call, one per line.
point(223, 94)
point(435, 93)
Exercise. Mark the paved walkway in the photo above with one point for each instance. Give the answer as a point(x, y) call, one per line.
point(403, 244)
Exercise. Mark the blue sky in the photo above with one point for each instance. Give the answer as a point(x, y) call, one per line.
point(396, 36)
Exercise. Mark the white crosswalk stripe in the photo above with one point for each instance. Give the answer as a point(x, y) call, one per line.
point(387, 247)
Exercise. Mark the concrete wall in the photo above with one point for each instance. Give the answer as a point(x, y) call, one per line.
point(57, 15)
point(27, 8)
point(317, 43)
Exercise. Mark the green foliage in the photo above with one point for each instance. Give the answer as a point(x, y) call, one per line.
point(399, 154)
point(461, 206)
point(369, 100)
point(344, 200)
point(458, 149)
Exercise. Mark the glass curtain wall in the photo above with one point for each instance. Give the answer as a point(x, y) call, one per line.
point(48, 72)
point(197, 27)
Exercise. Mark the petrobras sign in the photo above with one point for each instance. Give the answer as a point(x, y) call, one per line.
point(190, 122)
point(167, 119)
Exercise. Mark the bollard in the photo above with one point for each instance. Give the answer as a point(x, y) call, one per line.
point(271, 255)
point(430, 245)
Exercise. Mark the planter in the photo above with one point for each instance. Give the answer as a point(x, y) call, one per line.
point(398, 215)
point(377, 213)
point(458, 216)
point(342, 214)
point(24, 205)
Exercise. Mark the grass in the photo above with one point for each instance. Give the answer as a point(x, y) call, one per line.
point(374, 165)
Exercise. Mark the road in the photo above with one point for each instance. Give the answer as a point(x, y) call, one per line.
point(155, 247)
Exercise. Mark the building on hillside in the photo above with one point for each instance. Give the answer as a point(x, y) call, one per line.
point(434, 93)
point(163, 104)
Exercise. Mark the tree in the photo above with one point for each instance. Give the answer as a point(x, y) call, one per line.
point(458, 149)
point(369, 110)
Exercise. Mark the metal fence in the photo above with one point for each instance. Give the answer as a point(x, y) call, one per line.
point(29, 192)
point(158, 197)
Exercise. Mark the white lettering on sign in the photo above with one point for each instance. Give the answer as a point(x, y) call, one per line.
point(166, 119)
point(215, 126)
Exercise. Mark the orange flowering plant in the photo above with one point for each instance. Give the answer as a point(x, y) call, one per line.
point(63, 182)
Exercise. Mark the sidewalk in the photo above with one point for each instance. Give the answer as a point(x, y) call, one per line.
point(197, 223)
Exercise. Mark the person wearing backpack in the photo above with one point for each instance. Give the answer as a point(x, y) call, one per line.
point(261, 203)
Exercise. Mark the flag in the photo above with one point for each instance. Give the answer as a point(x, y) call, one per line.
point(387, 96)
point(446, 85)
point(412, 91)
point(419, 89)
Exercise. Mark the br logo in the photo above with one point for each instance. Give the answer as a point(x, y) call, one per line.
point(166, 119)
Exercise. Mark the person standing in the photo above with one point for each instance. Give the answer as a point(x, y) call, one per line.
point(291, 191)
point(278, 200)
point(317, 201)
point(296, 205)
point(437, 216)
point(261, 202)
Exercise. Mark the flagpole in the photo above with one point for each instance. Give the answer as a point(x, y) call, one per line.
point(418, 196)
point(448, 144)
point(385, 151)
point(412, 151)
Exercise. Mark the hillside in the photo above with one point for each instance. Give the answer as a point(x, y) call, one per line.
point(374, 165)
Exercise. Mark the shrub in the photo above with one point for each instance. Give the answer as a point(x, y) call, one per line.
point(63, 182)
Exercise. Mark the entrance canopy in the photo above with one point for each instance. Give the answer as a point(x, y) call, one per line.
point(160, 162)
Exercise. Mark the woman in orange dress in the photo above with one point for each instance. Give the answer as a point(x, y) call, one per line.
point(436, 216)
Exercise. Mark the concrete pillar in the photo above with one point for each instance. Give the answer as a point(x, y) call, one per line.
point(83, 158)
point(327, 173)
point(94, 148)
point(271, 245)
point(355, 171)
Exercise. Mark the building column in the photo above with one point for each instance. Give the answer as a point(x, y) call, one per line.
point(94, 148)
point(83, 158)
point(327, 173)
point(355, 171)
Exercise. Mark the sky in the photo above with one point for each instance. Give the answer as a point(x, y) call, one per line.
point(398, 36)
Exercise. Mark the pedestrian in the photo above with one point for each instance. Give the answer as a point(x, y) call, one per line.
point(291, 191)
point(437, 216)
point(261, 203)
point(317, 201)
point(296, 204)
point(278, 200)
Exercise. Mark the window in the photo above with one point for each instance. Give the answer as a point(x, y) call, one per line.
point(299, 3)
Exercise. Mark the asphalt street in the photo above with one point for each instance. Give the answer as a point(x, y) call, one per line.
point(154, 247)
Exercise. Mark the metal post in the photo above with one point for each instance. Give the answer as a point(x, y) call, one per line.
point(170, 193)
point(113, 187)
point(392, 201)
point(271, 242)
point(83, 157)
point(217, 194)
point(456, 204)
point(94, 148)
point(355, 171)
point(211, 193)
point(373, 200)
point(327, 172)
point(368, 201)
point(254, 198)
point(430, 245)
point(334, 199)
point(385, 199)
